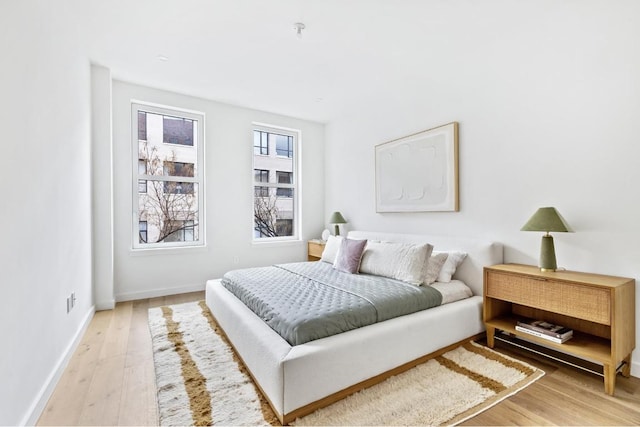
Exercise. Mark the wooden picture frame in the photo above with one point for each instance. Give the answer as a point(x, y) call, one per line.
point(419, 172)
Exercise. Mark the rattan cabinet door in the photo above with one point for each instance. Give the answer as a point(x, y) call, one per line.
point(571, 299)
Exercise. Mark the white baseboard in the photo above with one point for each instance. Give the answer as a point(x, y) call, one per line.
point(635, 369)
point(40, 401)
point(106, 305)
point(153, 293)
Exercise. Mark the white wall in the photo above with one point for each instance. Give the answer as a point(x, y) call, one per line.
point(45, 248)
point(229, 197)
point(549, 116)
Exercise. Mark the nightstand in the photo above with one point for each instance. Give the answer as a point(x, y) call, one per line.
point(600, 309)
point(315, 249)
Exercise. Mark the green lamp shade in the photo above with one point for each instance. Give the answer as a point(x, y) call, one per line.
point(337, 218)
point(547, 219)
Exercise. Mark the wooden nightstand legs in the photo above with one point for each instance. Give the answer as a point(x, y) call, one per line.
point(490, 336)
point(609, 379)
point(610, 372)
point(626, 368)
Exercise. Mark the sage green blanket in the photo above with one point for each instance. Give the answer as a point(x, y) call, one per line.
point(306, 301)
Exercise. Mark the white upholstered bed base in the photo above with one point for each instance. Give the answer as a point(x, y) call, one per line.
point(294, 377)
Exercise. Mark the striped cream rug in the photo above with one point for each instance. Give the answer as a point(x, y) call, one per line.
point(200, 381)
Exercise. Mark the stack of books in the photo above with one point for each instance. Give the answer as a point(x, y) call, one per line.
point(546, 330)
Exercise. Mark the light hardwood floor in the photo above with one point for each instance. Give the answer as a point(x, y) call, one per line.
point(110, 381)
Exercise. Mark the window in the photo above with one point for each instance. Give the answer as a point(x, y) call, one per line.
point(275, 195)
point(284, 227)
point(284, 178)
point(142, 125)
point(183, 231)
point(260, 191)
point(284, 192)
point(177, 130)
point(261, 175)
point(143, 231)
point(260, 143)
point(168, 170)
point(178, 187)
point(142, 170)
point(178, 169)
point(284, 145)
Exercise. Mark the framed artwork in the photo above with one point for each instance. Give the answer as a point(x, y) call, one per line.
point(419, 172)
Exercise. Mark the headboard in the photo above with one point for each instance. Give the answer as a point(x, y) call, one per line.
point(479, 253)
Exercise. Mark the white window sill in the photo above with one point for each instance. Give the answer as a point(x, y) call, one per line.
point(277, 243)
point(182, 250)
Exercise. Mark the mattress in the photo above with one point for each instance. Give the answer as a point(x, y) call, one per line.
point(306, 301)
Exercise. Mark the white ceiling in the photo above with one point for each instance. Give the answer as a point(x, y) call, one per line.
point(353, 54)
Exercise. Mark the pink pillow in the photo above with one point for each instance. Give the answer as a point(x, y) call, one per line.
point(349, 255)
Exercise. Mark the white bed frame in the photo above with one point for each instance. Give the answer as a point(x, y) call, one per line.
point(297, 380)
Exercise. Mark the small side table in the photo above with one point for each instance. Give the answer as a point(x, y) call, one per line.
point(599, 308)
point(315, 249)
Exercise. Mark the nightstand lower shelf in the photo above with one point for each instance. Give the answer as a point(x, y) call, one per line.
point(582, 344)
point(549, 353)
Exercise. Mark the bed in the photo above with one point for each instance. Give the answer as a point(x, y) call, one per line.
point(298, 379)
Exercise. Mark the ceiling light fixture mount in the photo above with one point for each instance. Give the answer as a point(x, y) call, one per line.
point(298, 27)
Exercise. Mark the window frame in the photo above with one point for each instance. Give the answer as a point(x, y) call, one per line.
point(198, 180)
point(295, 185)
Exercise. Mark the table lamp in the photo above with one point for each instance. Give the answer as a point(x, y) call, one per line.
point(547, 219)
point(337, 218)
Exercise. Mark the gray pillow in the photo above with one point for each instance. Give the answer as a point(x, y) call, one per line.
point(349, 255)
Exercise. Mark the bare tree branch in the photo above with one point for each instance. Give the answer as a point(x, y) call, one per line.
point(165, 206)
point(265, 213)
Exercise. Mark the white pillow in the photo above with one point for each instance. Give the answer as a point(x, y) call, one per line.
point(454, 259)
point(454, 290)
point(436, 261)
point(331, 249)
point(401, 261)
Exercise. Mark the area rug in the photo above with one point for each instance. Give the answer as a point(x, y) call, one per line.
point(201, 381)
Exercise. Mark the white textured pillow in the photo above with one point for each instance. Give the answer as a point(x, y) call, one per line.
point(331, 249)
point(401, 261)
point(436, 261)
point(454, 290)
point(454, 259)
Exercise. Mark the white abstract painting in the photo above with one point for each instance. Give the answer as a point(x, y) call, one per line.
point(419, 172)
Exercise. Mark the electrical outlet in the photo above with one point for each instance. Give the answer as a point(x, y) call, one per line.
point(71, 302)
